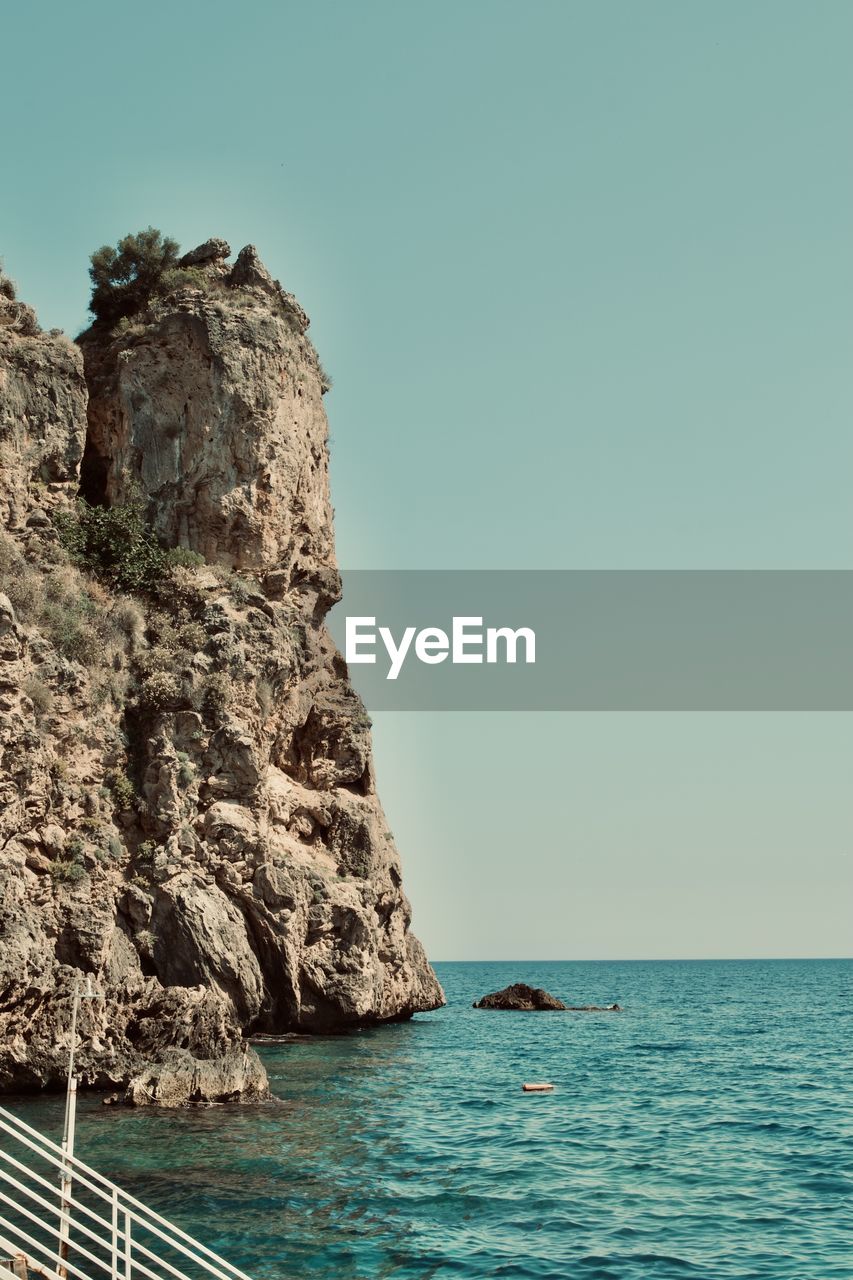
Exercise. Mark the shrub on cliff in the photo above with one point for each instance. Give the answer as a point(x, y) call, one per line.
point(116, 544)
point(126, 277)
point(67, 606)
point(7, 286)
point(69, 868)
point(38, 693)
point(159, 691)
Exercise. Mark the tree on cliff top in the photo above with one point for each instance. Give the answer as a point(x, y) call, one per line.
point(126, 277)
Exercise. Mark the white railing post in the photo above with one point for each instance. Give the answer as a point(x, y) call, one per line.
point(127, 1262)
point(114, 1236)
point(65, 1178)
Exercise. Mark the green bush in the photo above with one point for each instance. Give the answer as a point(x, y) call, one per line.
point(123, 790)
point(113, 847)
point(129, 619)
point(228, 652)
point(240, 588)
point(114, 542)
point(127, 328)
point(192, 637)
point(183, 278)
point(67, 872)
point(38, 693)
point(183, 558)
point(186, 769)
point(67, 608)
point(68, 867)
point(21, 582)
point(117, 544)
point(159, 691)
point(7, 286)
point(159, 657)
point(126, 277)
point(68, 624)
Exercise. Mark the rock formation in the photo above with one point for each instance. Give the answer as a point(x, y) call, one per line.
point(519, 996)
point(522, 998)
point(188, 812)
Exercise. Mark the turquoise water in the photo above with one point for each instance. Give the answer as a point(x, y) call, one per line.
point(705, 1132)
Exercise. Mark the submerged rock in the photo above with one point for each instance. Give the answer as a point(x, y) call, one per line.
point(594, 1008)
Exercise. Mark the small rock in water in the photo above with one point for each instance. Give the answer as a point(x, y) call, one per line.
point(519, 996)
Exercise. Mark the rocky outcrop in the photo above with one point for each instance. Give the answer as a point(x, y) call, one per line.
point(211, 251)
point(521, 997)
point(42, 418)
point(188, 811)
point(214, 410)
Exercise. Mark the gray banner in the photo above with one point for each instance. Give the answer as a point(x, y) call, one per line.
point(602, 640)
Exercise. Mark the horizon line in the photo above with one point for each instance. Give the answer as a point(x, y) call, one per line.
point(643, 960)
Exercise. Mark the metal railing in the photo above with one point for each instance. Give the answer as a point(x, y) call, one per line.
point(72, 1223)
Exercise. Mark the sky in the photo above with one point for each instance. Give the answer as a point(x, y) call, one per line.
point(583, 277)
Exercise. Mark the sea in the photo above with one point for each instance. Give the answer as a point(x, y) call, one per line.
point(704, 1132)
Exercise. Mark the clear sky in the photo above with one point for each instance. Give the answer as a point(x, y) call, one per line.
point(583, 276)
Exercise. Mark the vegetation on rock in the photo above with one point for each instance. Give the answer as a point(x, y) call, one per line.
point(7, 286)
point(117, 545)
point(126, 277)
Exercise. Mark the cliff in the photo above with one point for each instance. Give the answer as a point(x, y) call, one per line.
point(188, 813)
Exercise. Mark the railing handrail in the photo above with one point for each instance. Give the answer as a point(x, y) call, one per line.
point(146, 1218)
point(139, 1210)
point(119, 1201)
point(38, 1247)
point(56, 1210)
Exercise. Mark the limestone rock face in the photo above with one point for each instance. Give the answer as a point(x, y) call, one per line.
point(215, 411)
point(42, 417)
point(188, 812)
